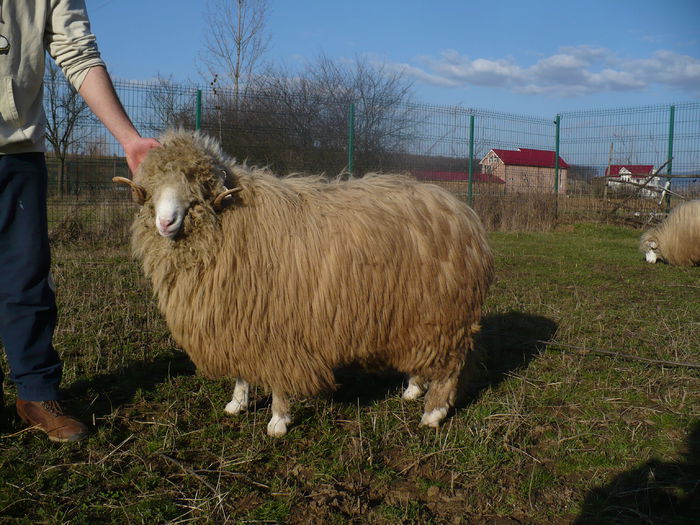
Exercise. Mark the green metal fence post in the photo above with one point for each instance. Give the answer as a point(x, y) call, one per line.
point(669, 166)
point(198, 116)
point(557, 129)
point(351, 138)
point(557, 123)
point(470, 195)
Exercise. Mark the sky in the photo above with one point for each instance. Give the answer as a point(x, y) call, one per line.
point(530, 57)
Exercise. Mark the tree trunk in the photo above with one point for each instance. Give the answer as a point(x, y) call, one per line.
point(61, 176)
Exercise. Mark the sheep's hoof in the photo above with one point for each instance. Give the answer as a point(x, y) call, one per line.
point(277, 427)
point(434, 418)
point(235, 407)
point(412, 393)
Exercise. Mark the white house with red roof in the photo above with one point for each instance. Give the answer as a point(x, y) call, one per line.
point(526, 170)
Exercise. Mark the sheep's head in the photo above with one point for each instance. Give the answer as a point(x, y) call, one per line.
point(186, 177)
point(650, 247)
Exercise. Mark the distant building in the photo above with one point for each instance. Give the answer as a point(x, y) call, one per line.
point(455, 176)
point(619, 174)
point(458, 181)
point(525, 170)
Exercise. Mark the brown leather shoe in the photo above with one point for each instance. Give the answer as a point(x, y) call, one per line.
point(48, 417)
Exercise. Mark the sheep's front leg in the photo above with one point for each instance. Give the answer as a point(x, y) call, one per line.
point(277, 427)
point(239, 402)
point(415, 389)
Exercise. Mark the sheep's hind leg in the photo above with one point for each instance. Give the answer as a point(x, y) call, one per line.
point(239, 402)
point(439, 399)
point(277, 427)
point(415, 389)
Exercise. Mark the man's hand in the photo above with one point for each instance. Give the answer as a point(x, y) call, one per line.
point(136, 151)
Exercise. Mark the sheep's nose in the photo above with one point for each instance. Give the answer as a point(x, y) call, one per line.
point(165, 222)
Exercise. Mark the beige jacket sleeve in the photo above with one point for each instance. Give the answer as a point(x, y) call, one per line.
point(70, 41)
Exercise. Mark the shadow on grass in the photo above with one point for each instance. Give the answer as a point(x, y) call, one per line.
point(655, 492)
point(104, 392)
point(359, 386)
point(507, 343)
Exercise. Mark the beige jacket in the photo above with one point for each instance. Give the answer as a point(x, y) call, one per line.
point(28, 28)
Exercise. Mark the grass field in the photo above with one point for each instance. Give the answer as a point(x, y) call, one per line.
point(554, 431)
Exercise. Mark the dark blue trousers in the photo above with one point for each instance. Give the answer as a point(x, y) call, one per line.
point(27, 300)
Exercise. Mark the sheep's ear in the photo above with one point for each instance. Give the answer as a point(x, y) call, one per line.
point(219, 200)
point(138, 193)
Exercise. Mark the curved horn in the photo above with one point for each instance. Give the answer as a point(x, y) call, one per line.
point(219, 200)
point(138, 193)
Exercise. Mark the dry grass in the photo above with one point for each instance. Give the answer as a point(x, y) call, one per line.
point(524, 212)
point(74, 221)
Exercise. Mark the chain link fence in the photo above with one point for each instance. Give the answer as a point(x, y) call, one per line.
point(502, 164)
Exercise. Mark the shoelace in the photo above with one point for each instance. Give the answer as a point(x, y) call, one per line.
point(52, 407)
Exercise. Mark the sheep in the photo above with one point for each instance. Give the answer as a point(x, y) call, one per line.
point(279, 281)
point(677, 239)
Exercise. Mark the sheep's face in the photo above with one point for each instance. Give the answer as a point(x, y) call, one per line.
point(168, 201)
point(175, 197)
point(651, 251)
point(170, 206)
point(183, 183)
point(178, 202)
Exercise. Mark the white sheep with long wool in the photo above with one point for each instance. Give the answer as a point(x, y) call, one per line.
point(278, 281)
point(676, 240)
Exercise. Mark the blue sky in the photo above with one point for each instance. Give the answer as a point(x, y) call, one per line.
point(535, 57)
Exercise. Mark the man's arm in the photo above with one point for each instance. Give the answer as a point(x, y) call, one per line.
point(98, 92)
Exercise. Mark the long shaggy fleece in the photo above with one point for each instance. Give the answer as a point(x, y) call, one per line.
point(297, 276)
point(677, 238)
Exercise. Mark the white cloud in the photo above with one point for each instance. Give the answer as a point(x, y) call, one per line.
point(459, 70)
point(621, 80)
point(571, 72)
point(672, 69)
point(420, 75)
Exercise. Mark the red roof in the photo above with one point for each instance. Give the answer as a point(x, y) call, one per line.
point(638, 170)
point(529, 157)
point(456, 176)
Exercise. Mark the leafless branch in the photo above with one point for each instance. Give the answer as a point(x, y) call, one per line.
point(236, 39)
point(65, 111)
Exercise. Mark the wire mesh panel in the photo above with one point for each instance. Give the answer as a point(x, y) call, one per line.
point(686, 150)
point(607, 158)
point(620, 159)
point(603, 145)
point(510, 192)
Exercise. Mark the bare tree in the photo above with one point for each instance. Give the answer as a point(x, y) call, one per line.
point(310, 110)
point(171, 106)
point(380, 94)
point(66, 114)
point(235, 41)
